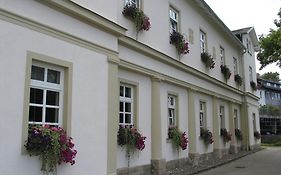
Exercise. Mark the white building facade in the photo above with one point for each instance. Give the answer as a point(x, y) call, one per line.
point(82, 53)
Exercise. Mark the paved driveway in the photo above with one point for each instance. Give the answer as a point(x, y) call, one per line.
point(265, 162)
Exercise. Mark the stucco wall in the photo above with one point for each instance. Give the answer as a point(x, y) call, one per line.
point(89, 100)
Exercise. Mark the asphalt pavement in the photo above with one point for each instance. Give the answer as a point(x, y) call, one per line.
point(264, 162)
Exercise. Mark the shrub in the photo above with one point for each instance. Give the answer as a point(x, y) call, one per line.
point(52, 145)
point(208, 60)
point(179, 139)
point(207, 136)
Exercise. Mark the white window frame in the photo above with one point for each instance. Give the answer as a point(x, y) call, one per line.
point(172, 108)
point(222, 116)
point(174, 20)
point(235, 66)
point(222, 55)
point(203, 42)
point(251, 73)
point(135, 3)
point(202, 114)
point(236, 119)
point(47, 86)
point(123, 99)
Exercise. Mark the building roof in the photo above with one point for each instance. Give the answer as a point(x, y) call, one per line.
point(251, 31)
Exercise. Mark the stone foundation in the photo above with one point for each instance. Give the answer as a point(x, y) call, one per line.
point(179, 163)
point(158, 167)
point(137, 170)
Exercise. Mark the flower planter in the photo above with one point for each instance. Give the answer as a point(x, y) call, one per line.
point(207, 60)
point(207, 136)
point(253, 85)
point(137, 16)
point(238, 134)
point(179, 42)
point(225, 135)
point(178, 138)
point(257, 135)
point(52, 145)
point(225, 71)
point(238, 79)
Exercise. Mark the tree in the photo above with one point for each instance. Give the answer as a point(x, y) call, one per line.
point(271, 45)
point(272, 76)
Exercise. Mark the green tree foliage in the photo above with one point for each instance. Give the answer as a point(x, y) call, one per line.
point(271, 76)
point(270, 110)
point(271, 46)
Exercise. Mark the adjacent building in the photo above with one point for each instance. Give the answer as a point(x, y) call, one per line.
point(87, 67)
point(270, 102)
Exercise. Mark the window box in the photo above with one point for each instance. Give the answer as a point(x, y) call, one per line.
point(225, 71)
point(52, 145)
point(179, 42)
point(253, 85)
point(225, 135)
point(238, 79)
point(257, 135)
point(137, 16)
point(178, 138)
point(207, 136)
point(238, 134)
point(207, 60)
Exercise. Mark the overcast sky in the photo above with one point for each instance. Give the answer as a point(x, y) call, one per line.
point(246, 13)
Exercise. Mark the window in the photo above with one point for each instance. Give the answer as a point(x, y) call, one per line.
point(202, 41)
point(134, 3)
point(172, 110)
point(249, 46)
point(202, 114)
point(254, 122)
point(251, 73)
point(174, 20)
point(126, 105)
point(235, 66)
point(222, 56)
point(236, 120)
point(46, 95)
point(222, 117)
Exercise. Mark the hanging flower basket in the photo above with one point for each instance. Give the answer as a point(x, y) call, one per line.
point(208, 60)
point(179, 139)
point(137, 16)
point(52, 145)
point(238, 134)
point(257, 135)
point(225, 71)
point(225, 135)
point(238, 79)
point(179, 42)
point(253, 85)
point(207, 136)
point(131, 139)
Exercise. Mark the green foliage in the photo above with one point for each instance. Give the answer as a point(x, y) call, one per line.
point(270, 110)
point(238, 79)
point(225, 71)
point(271, 46)
point(271, 76)
point(207, 136)
point(238, 134)
point(225, 135)
point(179, 139)
point(253, 85)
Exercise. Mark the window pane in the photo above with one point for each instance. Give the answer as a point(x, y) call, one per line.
point(121, 118)
point(52, 115)
point(36, 96)
point(128, 107)
point(53, 98)
point(171, 121)
point(35, 114)
point(128, 118)
point(121, 91)
point(53, 76)
point(37, 73)
point(121, 107)
point(127, 92)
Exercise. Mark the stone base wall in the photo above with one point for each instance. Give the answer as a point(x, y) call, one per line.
point(137, 170)
point(179, 163)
